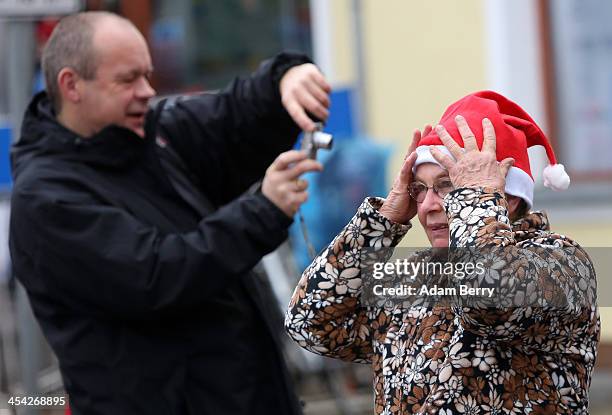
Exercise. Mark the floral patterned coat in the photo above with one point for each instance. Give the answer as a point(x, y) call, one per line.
point(455, 359)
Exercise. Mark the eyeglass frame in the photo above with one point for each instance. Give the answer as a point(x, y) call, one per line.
point(435, 188)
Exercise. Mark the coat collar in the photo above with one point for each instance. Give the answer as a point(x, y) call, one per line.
point(112, 147)
point(533, 223)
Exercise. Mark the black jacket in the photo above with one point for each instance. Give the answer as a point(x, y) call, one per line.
point(148, 301)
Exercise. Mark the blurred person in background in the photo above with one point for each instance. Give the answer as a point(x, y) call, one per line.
point(470, 185)
point(133, 232)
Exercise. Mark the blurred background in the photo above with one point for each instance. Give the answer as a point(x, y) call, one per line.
point(395, 66)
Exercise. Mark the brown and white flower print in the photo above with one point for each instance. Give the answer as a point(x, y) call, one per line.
point(460, 360)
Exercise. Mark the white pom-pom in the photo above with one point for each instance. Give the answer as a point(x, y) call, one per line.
point(555, 177)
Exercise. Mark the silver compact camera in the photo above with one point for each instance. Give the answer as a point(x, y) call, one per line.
point(314, 140)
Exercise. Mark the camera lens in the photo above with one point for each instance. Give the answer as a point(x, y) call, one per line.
point(323, 140)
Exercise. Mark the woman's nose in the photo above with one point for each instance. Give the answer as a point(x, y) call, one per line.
point(432, 201)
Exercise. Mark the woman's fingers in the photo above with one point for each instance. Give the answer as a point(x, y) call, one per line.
point(505, 165)
point(406, 171)
point(416, 137)
point(490, 141)
point(448, 141)
point(469, 140)
point(444, 160)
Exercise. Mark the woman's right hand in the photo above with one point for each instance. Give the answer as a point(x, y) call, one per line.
point(399, 207)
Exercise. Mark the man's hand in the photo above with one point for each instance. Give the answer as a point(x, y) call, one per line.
point(304, 89)
point(473, 167)
point(281, 183)
point(399, 207)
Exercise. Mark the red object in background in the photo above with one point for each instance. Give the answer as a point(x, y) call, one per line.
point(44, 28)
point(68, 411)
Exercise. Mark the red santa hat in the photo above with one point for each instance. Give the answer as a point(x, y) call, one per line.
point(515, 131)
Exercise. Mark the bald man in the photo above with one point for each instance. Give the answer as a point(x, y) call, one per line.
point(133, 232)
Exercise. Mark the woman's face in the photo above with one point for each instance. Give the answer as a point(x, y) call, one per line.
point(430, 210)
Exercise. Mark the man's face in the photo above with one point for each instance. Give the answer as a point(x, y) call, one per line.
point(120, 91)
point(430, 211)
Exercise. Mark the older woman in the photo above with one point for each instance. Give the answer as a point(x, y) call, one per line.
point(470, 185)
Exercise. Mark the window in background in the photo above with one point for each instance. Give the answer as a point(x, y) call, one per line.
point(582, 55)
point(203, 44)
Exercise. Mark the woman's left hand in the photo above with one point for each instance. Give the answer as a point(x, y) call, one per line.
point(472, 167)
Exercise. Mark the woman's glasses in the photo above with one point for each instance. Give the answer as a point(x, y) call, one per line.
point(418, 190)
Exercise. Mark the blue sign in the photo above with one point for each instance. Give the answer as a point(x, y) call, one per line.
point(341, 123)
point(6, 181)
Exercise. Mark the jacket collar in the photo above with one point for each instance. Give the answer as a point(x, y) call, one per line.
point(113, 147)
point(535, 222)
point(42, 134)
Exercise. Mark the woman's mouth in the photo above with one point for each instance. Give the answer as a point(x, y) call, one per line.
point(438, 229)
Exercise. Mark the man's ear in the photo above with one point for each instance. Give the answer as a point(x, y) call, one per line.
point(67, 82)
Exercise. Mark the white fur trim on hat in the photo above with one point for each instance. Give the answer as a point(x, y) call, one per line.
point(424, 155)
point(555, 177)
point(518, 182)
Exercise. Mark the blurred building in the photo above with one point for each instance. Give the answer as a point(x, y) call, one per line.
point(408, 60)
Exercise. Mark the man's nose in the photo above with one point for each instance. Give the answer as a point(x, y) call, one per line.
point(144, 90)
